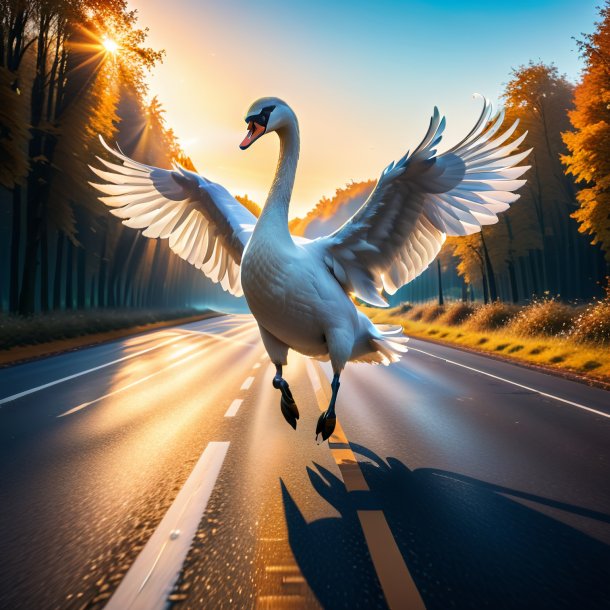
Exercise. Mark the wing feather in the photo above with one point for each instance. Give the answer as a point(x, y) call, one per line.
point(420, 200)
point(202, 222)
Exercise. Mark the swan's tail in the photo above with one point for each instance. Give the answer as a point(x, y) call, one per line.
point(385, 343)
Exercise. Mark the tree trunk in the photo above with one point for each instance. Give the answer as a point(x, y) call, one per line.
point(441, 300)
point(81, 287)
point(70, 275)
point(27, 296)
point(44, 271)
point(15, 245)
point(513, 282)
point(57, 276)
point(491, 278)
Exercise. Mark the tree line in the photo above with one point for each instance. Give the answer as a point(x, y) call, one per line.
point(61, 84)
point(555, 240)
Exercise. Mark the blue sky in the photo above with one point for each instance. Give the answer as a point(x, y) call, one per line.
point(363, 77)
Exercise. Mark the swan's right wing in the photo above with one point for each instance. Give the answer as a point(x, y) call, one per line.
point(420, 200)
point(204, 223)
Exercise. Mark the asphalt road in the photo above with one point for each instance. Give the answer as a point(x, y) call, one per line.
point(158, 470)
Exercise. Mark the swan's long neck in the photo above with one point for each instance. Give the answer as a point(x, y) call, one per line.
point(275, 211)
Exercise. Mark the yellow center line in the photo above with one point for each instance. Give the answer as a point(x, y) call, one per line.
point(396, 581)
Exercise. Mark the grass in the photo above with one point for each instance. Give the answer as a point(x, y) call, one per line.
point(545, 333)
point(16, 331)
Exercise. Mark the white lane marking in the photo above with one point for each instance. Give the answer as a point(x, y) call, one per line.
point(315, 380)
point(228, 339)
point(95, 368)
point(233, 408)
point(150, 579)
point(256, 365)
point(519, 385)
point(132, 384)
point(247, 383)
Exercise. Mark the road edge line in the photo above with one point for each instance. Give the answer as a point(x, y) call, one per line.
point(150, 579)
point(519, 385)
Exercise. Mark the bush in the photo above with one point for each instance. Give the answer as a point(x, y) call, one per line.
point(456, 313)
point(41, 328)
point(545, 317)
point(492, 316)
point(593, 324)
point(416, 313)
point(432, 312)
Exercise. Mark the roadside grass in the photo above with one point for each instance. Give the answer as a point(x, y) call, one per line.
point(16, 331)
point(545, 333)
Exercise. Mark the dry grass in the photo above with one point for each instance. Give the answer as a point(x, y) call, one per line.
point(545, 317)
point(545, 333)
point(42, 328)
point(593, 324)
point(492, 316)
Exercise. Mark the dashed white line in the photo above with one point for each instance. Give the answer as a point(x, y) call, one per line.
point(519, 385)
point(233, 408)
point(247, 383)
point(150, 579)
point(95, 368)
point(256, 365)
point(132, 384)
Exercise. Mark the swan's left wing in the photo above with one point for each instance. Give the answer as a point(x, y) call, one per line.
point(418, 201)
point(204, 223)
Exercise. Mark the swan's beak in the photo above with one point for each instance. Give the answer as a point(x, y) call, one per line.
point(255, 131)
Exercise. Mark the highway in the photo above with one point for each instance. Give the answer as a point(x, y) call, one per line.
point(157, 471)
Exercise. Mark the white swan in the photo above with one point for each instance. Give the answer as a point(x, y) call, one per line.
point(299, 290)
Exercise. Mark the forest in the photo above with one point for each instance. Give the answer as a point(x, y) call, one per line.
point(62, 84)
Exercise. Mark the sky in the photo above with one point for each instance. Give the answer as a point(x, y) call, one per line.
point(362, 76)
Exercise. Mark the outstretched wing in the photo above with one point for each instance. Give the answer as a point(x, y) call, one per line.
point(421, 199)
point(204, 223)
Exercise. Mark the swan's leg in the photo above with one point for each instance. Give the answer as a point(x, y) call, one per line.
point(278, 353)
point(340, 342)
point(328, 420)
point(287, 404)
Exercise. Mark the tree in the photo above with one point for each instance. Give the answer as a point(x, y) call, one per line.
point(589, 144)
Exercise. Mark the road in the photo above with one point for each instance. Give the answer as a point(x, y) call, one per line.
point(157, 470)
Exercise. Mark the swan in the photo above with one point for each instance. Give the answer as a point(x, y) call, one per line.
point(301, 292)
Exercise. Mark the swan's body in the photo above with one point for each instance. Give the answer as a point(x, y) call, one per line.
point(297, 289)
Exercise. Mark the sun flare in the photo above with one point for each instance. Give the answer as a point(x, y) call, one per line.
point(110, 45)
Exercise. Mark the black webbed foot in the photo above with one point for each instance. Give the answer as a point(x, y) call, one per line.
point(287, 403)
point(326, 424)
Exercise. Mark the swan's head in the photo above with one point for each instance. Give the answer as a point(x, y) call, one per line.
point(264, 116)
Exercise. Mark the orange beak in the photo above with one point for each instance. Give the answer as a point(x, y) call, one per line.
point(255, 131)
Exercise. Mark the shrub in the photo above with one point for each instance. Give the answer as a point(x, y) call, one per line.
point(544, 317)
point(492, 316)
point(456, 313)
point(593, 324)
point(432, 312)
point(41, 328)
point(416, 312)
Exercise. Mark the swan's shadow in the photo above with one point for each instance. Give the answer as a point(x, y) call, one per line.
point(466, 543)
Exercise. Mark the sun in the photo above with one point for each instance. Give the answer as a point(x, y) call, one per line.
point(110, 45)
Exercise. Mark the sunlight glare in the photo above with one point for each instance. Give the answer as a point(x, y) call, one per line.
point(110, 45)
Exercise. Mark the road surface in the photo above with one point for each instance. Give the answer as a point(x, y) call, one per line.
point(158, 471)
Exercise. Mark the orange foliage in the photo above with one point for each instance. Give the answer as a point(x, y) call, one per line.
point(589, 144)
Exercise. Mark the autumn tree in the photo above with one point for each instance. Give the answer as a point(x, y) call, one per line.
point(588, 159)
